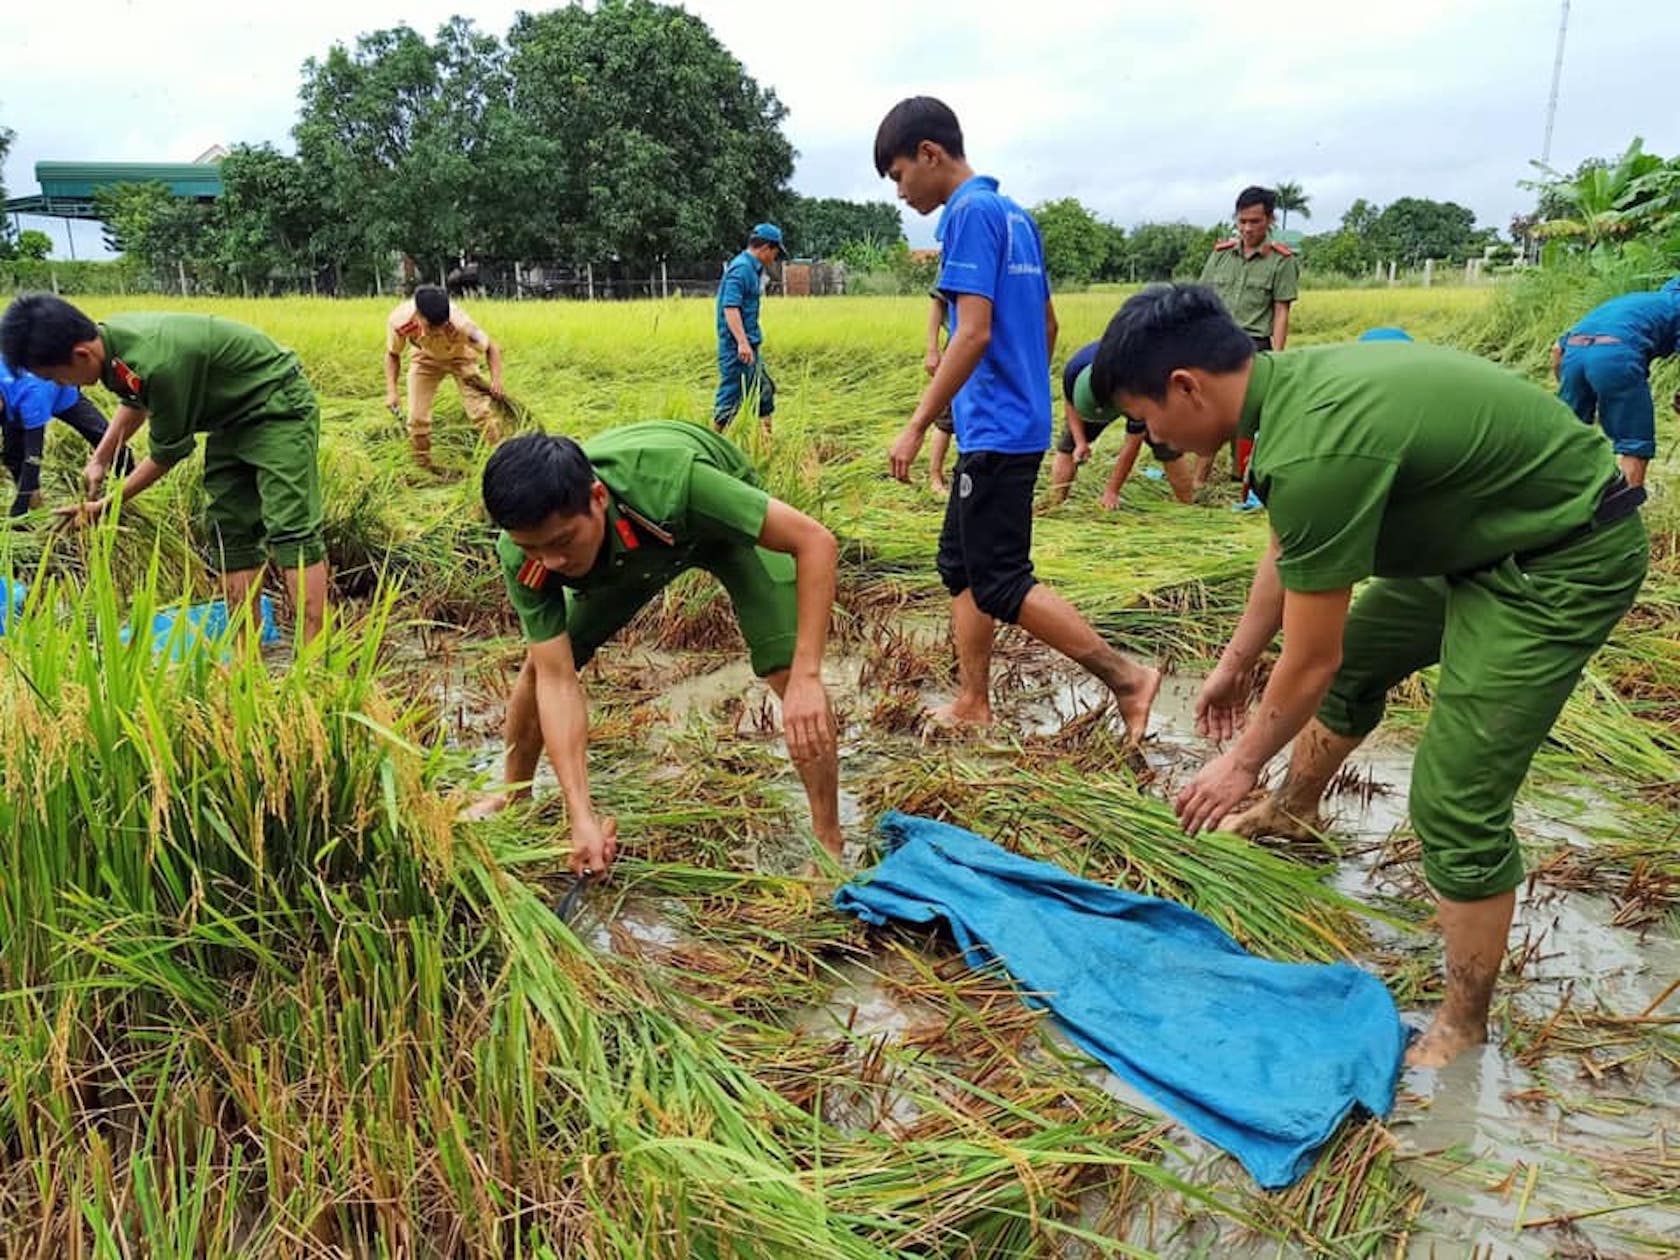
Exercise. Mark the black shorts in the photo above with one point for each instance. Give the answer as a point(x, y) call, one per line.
point(1261, 342)
point(1163, 453)
point(1093, 428)
point(985, 546)
point(945, 422)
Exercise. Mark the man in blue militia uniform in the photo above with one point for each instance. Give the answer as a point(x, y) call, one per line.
point(1603, 369)
point(27, 403)
point(740, 361)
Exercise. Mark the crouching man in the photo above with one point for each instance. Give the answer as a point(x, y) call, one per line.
point(592, 533)
point(1493, 536)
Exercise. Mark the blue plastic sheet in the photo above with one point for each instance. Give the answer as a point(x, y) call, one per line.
point(178, 632)
point(1265, 1059)
point(12, 595)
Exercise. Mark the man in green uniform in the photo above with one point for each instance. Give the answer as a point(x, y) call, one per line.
point(1258, 280)
point(192, 374)
point(592, 533)
point(1503, 545)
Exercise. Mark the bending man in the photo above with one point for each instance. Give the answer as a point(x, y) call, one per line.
point(592, 533)
point(1503, 545)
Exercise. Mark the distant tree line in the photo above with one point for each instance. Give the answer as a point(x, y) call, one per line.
point(624, 132)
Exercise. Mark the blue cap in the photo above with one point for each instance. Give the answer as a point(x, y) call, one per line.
point(770, 232)
point(1385, 334)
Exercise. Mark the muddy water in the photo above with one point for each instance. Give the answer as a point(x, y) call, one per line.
point(1494, 1144)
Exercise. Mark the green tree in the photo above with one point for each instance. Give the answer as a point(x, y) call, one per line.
point(270, 216)
point(1075, 245)
point(1415, 228)
point(1160, 251)
point(821, 227)
point(1360, 217)
point(1341, 252)
point(396, 132)
point(1602, 200)
point(34, 244)
point(169, 236)
point(654, 142)
point(1291, 196)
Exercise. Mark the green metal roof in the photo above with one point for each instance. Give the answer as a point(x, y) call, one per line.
point(67, 188)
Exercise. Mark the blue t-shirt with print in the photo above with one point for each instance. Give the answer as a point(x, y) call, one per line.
point(30, 401)
point(742, 286)
point(991, 248)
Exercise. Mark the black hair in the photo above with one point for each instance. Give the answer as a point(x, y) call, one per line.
point(754, 242)
point(1160, 330)
point(911, 121)
point(531, 477)
point(1254, 195)
point(432, 301)
point(39, 330)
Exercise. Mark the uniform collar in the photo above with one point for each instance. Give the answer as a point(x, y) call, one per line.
point(969, 186)
point(1259, 381)
point(752, 259)
point(1242, 250)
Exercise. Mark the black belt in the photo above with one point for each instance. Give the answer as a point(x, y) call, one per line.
point(1616, 500)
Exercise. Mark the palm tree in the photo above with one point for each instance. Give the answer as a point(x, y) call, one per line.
point(1290, 196)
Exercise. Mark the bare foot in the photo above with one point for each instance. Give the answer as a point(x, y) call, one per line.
point(940, 487)
point(1134, 704)
point(486, 806)
point(1268, 818)
point(958, 713)
point(1442, 1042)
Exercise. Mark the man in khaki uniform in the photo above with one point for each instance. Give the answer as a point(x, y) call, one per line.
point(1258, 280)
point(445, 342)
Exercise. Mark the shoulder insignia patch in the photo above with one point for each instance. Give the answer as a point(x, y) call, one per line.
point(1283, 249)
point(410, 329)
point(533, 574)
point(648, 527)
point(1230, 244)
point(127, 378)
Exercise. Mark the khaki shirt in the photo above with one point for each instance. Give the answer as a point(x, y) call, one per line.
point(457, 342)
point(1249, 285)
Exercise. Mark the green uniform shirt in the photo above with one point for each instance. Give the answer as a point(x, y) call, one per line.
point(1248, 286)
point(682, 481)
point(193, 374)
point(1393, 460)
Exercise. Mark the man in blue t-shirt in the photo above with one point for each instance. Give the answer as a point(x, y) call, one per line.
point(741, 368)
point(995, 376)
point(27, 403)
point(1603, 366)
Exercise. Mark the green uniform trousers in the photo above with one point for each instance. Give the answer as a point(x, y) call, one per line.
point(761, 585)
point(262, 485)
point(1511, 641)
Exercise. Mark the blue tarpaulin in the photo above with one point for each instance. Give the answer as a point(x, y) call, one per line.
point(1264, 1059)
point(179, 631)
point(12, 595)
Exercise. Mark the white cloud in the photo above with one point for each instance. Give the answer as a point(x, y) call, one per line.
point(1141, 109)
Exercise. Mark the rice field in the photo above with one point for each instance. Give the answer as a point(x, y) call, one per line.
point(263, 993)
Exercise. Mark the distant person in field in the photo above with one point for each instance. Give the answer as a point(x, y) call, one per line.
point(740, 339)
point(1603, 370)
point(27, 404)
point(995, 376)
point(443, 341)
point(1258, 279)
point(592, 533)
point(1084, 417)
point(1488, 533)
point(186, 375)
point(944, 427)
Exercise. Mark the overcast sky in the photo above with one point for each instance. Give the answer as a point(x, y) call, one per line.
point(1140, 108)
